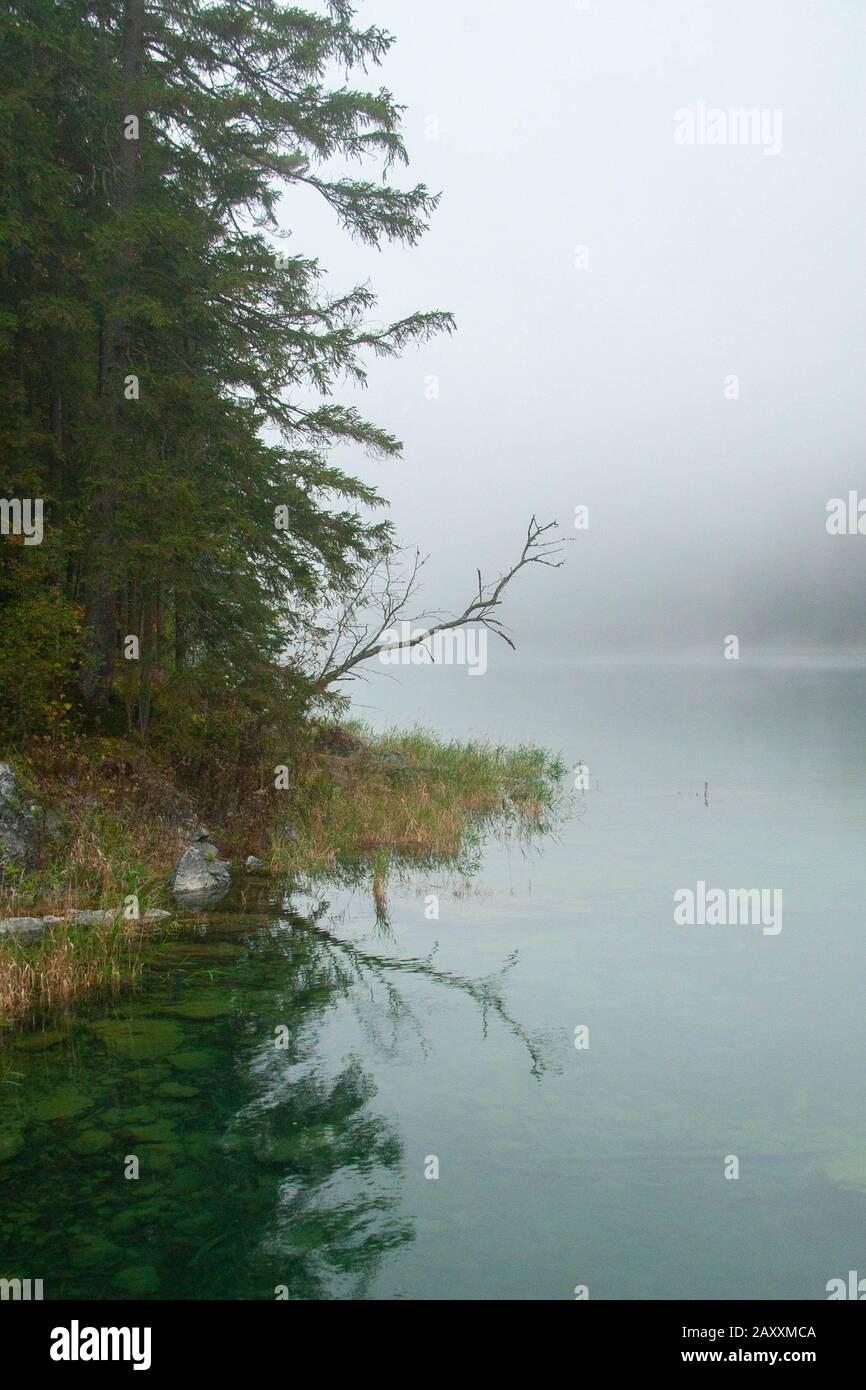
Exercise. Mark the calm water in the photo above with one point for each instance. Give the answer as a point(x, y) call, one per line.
point(409, 1039)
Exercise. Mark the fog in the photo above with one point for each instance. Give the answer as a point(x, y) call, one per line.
point(603, 376)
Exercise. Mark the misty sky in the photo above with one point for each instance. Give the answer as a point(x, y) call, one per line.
point(605, 386)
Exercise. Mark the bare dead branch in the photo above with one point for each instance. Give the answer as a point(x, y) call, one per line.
point(354, 642)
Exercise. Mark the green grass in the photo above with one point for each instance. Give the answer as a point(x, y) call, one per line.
point(359, 811)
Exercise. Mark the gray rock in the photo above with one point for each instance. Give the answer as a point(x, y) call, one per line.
point(254, 865)
point(19, 823)
point(200, 877)
point(26, 926)
point(84, 917)
point(33, 926)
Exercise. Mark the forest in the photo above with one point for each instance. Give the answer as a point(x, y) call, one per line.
point(169, 394)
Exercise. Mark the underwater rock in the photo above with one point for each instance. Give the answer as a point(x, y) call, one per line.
point(91, 1250)
point(11, 1142)
point(215, 1003)
point(175, 1090)
point(91, 1141)
point(137, 1280)
point(160, 1132)
point(62, 1104)
point(139, 1039)
point(190, 1061)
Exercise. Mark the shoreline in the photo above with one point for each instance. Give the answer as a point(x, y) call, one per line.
point(350, 807)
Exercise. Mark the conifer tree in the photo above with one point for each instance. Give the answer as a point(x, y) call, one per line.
point(157, 343)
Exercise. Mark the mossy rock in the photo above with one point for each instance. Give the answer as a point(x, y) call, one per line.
point(92, 1250)
point(199, 1145)
point(126, 1221)
point(140, 1039)
point(176, 1090)
point(190, 1061)
point(160, 1158)
point(11, 1142)
point(194, 1225)
point(162, 1132)
point(207, 1004)
point(147, 1078)
point(120, 1118)
point(62, 1104)
point(137, 1280)
point(91, 1141)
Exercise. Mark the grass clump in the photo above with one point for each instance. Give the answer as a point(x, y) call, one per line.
point(408, 796)
point(67, 963)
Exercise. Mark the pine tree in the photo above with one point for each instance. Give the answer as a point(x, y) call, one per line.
point(157, 344)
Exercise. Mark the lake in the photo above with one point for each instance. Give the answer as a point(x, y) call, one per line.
point(329, 1100)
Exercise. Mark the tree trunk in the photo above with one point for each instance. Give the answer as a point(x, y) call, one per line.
point(106, 561)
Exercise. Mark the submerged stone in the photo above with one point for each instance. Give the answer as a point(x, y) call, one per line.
point(139, 1039)
point(62, 1104)
point(207, 1004)
point(159, 1158)
point(161, 1132)
point(175, 1090)
point(91, 1141)
point(11, 1142)
point(189, 1061)
point(122, 1118)
point(137, 1279)
point(91, 1250)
